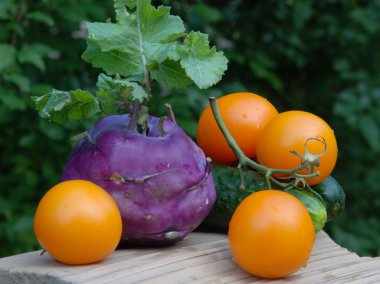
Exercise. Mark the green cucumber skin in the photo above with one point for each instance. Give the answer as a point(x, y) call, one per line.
point(229, 195)
point(333, 195)
point(315, 207)
point(228, 186)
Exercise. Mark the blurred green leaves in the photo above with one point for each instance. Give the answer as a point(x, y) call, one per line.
point(34, 54)
point(360, 109)
point(37, 50)
point(8, 53)
point(40, 17)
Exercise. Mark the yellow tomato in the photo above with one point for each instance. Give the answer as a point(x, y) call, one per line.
point(271, 234)
point(245, 115)
point(77, 222)
point(289, 131)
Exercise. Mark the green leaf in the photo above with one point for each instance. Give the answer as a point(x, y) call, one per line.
point(145, 41)
point(110, 91)
point(121, 11)
point(40, 17)
point(107, 102)
point(84, 105)
point(157, 52)
point(7, 55)
point(147, 33)
point(109, 94)
point(171, 75)
point(137, 92)
point(157, 25)
point(112, 62)
point(143, 44)
point(50, 106)
point(110, 36)
point(60, 106)
point(204, 65)
point(122, 87)
point(140, 40)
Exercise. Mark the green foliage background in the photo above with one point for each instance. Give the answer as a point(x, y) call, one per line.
point(318, 56)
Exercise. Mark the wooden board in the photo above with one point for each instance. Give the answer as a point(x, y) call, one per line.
point(200, 258)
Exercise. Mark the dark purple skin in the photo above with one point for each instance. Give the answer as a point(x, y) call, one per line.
point(161, 183)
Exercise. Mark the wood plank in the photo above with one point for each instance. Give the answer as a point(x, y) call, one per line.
point(200, 258)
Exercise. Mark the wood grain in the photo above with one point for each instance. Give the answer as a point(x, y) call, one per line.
point(200, 258)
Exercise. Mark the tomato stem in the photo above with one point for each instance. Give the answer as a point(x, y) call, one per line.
point(243, 159)
point(308, 161)
point(242, 178)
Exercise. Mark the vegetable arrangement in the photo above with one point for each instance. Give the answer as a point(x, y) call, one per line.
point(230, 193)
point(260, 191)
point(162, 183)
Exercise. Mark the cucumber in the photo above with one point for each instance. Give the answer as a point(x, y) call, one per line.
point(315, 207)
point(228, 186)
point(229, 195)
point(333, 195)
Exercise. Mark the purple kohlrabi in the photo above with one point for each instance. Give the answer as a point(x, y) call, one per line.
point(160, 180)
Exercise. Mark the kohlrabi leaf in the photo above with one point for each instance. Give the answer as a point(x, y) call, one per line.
point(149, 42)
point(114, 61)
point(171, 75)
point(121, 89)
point(59, 106)
point(121, 10)
point(145, 44)
point(138, 39)
point(203, 65)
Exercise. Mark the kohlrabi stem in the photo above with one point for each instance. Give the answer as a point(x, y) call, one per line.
point(142, 52)
point(161, 125)
point(170, 113)
point(135, 124)
point(134, 117)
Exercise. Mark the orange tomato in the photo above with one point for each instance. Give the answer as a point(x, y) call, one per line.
point(289, 131)
point(77, 222)
point(245, 115)
point(271, 234)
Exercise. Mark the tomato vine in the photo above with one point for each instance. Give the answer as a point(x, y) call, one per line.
point(309, 161)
